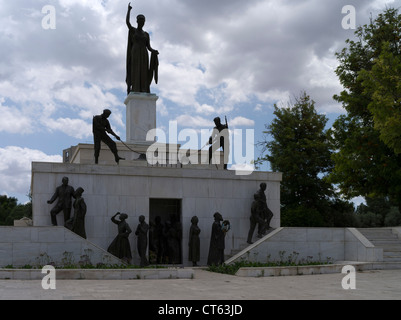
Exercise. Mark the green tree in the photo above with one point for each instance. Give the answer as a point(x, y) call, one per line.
point(364, 164)
point(19, 212)
point(377, 212)
point(6, 206)
point(383, 84)
point(10, 210)
point(299, 149)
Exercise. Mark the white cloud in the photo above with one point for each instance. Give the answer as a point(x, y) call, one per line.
point(241, 121)
point(205, 109)
point(194, 121)
point(76, 128)
point(15, 168)
point(161, 108)
point(13, 121)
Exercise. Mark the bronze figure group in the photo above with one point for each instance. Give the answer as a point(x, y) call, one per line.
point(261, 215)
point(64, 195)
point(165, 238)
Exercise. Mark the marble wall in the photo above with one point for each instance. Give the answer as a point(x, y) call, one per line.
point(21, 246)
point(128, 189)
point(312, 244)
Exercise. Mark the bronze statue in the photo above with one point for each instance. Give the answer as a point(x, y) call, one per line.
point(194, 241)
point(63, 193)
point(101, 127)
point(217, 242)
point(142, 245)
point(173, 235)
point(265, 213)
point(120, 247)
point(220, 139)
point(256, 219)
point(139, 73)
point(78, 224)
point(158, 240)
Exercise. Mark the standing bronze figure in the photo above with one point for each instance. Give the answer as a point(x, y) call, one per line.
point(217, 242)
point(120, 247)
point(194, 241)
point(220, 139)
point(63, 193)
point(256, 219)
point(139, 73)
point(78, 224)
point(101, 127)
point(265, 213)
point(142, 245)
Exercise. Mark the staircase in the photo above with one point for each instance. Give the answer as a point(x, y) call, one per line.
point(243, 247)
point(234, 252)
point(386, 239)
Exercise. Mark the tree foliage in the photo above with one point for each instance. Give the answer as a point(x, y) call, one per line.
point(300, 149)
point(383, 83)
point(364, 164)
point(10, 210)
point(376, 213)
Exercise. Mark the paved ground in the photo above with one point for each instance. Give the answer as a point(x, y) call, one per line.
point(377, 285)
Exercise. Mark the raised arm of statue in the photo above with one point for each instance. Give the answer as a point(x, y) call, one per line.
point(128, 16)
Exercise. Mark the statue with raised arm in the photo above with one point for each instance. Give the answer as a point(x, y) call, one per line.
point(120, 247)
point(139, 72)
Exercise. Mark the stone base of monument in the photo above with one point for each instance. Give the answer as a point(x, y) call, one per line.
point(145, 154)
point(155, 180)
point(151, 191)
point(141, 115)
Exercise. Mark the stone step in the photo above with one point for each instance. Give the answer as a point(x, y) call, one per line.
point(391, 259)
point(240, 248)
point(381, 238)
point(375, 229)
point(387, 240)
point(386, 243)
point(391, 253)
point(378, 234)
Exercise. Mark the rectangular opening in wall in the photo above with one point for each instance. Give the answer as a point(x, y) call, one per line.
point(165, 236)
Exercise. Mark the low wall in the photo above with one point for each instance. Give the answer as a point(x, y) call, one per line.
point(93, 274)
point(311, 244)
point(21, 246)
point(359, 248)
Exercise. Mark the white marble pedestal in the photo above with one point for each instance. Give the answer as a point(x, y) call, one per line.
point(141, 116)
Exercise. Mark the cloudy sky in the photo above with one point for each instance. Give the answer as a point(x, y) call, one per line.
point(231, 58)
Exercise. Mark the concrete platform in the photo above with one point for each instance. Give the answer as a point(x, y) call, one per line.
point(377, 285)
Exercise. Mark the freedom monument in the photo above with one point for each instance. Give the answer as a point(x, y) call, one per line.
point(141, 178)
point(186, 206)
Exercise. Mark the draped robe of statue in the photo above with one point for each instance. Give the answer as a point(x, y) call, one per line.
point(120, 247)
point(139, 72)
point(217, 242)
point(78, 225)
point(194, 241)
